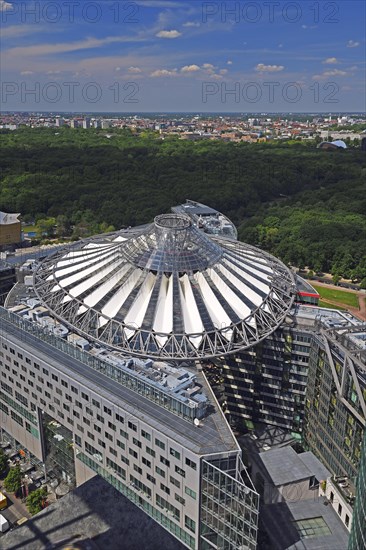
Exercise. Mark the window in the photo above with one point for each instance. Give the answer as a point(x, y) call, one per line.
point(88, 411)
point(107, 410)
point(96, 403)
point(160, 444)
point(340, 509)
point(101, 443)
point(100, 418)
point(73, 389)
point(91, 436)
point(123, 434)
point(112, 426)
point(151, 478)
point(312, 527)
point(132, 426)
point(64, 383)
point(120, 418)
point(190, 524)
point(146, 462)
point(84, 396)
point(120, 444)
point(54, 377)
point(180, 471)
point(112, 451)
point(174, 481)
point(190, 492)
point(165, 488)
point(137, 469)
point(136, 442)
point(125, 460)
point(150, 451)
point(191, 464)
point(133, 453)
point(347, 520)
point(163, 460)
point(146, 435)
point(97, 429)
point(175, 453)
point(108, 436)
point(78, 440)
point(160, 471)
point(179, 499)
point(331, 497)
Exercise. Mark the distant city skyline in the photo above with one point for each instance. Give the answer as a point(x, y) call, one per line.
point(183, 56)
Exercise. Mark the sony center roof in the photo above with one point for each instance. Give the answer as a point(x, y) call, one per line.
point(167, 290)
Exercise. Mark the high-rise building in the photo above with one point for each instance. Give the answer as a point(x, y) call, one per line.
point(357, 539)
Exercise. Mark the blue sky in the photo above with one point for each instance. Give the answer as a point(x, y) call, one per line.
point(181, 55)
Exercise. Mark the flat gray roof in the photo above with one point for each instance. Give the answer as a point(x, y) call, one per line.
point(279, 520)
point(314, 465)
point(284, 466)
point(96, 517)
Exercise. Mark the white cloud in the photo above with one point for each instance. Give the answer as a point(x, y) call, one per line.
point(5, 6)
point(331, 61)
point(280, 45)
point(190, 69)
point(308, 26)
point(352, 44)
point(134, 70)
point(168, 34)
point(117, 69)
point(327, 74)
point(192, 24)
point(269, 68)
point(229, 62)
point(53, 72)
point(209, 67)
point(44, 49)
point(160, 4)
point(163, 72)
point(25, 73)
point(223, 71)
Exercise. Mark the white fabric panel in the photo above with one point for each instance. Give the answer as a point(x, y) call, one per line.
point(241, 309)
point(191, 317)
point(80, 274)
point(217, 313)
point(248, 292)
point(257, 284)
point(119, 239)
point(116, 302)
point(75, 268)
point(97, 294)
point(137, 311)
point(82, 309)
point(163, 321)
point(82, 287)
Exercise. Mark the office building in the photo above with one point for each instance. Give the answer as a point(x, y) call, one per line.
point(358, 530)
point(10, 230)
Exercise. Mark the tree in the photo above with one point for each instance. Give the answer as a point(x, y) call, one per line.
point(3, 461)
point(36, 500)
point(363, 283)
point(13, 480)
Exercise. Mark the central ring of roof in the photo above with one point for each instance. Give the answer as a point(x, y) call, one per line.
point(168, 290)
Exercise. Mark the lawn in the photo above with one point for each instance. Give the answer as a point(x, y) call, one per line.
point(330, 306)
point(340, 296)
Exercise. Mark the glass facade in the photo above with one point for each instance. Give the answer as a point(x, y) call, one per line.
point(229, 508)
point(357, 539)
point(334, 423)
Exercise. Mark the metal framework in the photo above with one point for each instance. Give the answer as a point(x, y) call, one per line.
point(168, 291)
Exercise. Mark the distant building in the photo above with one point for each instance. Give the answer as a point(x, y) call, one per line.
point(86, 123)
point(10, 230)
point(59, 122)
point(332, 145)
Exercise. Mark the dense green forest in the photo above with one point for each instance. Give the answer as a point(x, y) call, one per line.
point(306, 205)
